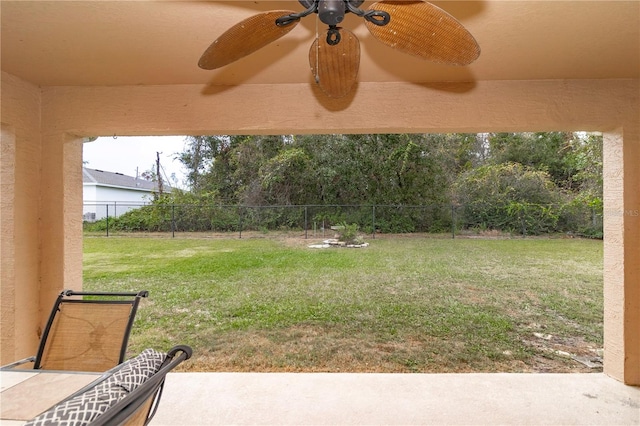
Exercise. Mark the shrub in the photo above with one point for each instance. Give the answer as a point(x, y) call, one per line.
point(509, 197)
point(348, 233)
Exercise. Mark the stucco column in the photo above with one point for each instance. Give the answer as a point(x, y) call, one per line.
point(19, 225)
point(631, 215)
point(622, 255)
point(7, 243)
point(61, 218)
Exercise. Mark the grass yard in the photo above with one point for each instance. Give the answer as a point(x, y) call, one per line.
point(403, 304)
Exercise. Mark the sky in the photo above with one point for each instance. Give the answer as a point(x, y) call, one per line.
point(136, 154)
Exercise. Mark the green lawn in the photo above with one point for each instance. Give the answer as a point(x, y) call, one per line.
point(403, 304)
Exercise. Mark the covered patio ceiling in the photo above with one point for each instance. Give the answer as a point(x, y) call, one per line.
point(115, 43)
point(73, 69)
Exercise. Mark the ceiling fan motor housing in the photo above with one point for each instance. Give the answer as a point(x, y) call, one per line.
point(308, 3)
point(331, 12)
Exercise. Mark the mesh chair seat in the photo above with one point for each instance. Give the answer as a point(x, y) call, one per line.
point(86, 331)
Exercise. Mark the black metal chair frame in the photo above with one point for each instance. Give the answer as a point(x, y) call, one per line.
point(69, 293)
point(127, 407)
point(64, 297)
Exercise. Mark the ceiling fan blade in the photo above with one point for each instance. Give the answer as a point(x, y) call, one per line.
point(244, 38)
point(335, 66)
point(424, 30)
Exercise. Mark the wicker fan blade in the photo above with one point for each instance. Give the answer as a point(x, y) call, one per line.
point(424, 30)
point(245, 38)
point(335, 67)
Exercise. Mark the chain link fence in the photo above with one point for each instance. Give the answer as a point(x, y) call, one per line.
point(313, 220)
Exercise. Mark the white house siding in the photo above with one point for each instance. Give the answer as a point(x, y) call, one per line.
point(100, 200)
point(113, 194)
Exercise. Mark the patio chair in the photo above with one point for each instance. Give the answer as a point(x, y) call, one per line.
point(88, 333)
point(128, 395)
point(139, 406)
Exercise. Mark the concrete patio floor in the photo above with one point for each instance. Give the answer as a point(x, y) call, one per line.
point(396, 399)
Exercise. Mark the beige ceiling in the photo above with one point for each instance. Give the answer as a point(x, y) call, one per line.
point(52, 43)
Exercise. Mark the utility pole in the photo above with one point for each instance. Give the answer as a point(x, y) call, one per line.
point(158, 175)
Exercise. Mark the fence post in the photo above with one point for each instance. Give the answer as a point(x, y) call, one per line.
point(107, 205)
point(453, 222)
point(173, 220)
point(240, 222)
point(373, 221)
point(305, 222)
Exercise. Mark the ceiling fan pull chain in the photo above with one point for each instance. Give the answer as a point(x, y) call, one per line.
point(316, 75)
point(333, 36)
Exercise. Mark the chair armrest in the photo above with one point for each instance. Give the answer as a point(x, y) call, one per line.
point(142, 293)
point(18, 363)
point(124, 409)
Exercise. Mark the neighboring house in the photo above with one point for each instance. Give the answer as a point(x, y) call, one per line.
point(112, 194)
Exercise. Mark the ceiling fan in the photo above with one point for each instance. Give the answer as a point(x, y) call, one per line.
point(418, 28)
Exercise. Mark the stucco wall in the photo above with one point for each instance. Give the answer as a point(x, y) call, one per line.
point(60, 217)
point(19, 214)
point(611, 106)
point(382, 107)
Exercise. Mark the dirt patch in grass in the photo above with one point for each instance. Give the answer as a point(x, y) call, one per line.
point(563, 355)
point(313, 349)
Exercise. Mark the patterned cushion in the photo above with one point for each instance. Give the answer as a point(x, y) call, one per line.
point(84, 408)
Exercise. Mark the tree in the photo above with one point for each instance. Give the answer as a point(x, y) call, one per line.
point(583, 213)
point(282, 177)
point(526, 169)
point(587, 161)
point(510, 197)
point(198, 157)
point(550, 152)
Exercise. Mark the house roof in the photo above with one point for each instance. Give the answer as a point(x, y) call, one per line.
point(119, 180)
